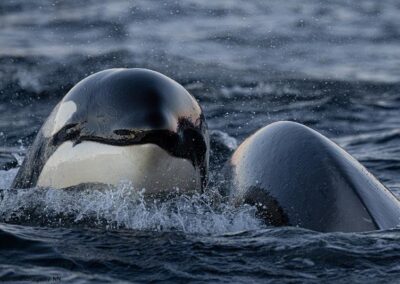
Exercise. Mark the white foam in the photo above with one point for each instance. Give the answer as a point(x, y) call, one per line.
point(124, 207)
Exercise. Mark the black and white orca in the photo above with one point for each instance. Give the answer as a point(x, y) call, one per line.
point(133, 125)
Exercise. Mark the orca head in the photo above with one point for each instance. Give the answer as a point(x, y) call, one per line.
point(126, 124)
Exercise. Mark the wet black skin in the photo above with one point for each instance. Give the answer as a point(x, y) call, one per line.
point(126, 107)
point(297, 177)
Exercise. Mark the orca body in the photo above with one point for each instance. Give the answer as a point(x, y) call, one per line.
point(297, 177)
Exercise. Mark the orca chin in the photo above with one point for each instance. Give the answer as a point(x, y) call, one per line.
point(119, 125)
point(297, 177)
point(145, 166)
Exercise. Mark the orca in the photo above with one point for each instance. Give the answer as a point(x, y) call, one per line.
point(133, 125)
point(297, 177)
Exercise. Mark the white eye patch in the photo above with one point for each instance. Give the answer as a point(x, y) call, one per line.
point(65, 112)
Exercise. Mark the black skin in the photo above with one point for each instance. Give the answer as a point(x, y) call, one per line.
point(126, 107)
point(297, 177)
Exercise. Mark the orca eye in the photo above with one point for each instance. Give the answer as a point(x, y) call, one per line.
point(68, 132)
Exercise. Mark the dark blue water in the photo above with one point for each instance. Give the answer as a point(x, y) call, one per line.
point(333, 66)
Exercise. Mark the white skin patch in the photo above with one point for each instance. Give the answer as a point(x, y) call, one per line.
point(146, 166)
point(65, 112)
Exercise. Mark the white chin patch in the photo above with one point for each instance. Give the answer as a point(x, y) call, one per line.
point(146, 166)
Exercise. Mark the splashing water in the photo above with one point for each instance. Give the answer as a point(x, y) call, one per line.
point(124, 207)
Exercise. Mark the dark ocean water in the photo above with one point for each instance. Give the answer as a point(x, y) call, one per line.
point(334, 66)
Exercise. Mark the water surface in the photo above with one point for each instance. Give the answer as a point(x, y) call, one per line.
point(332, 66)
